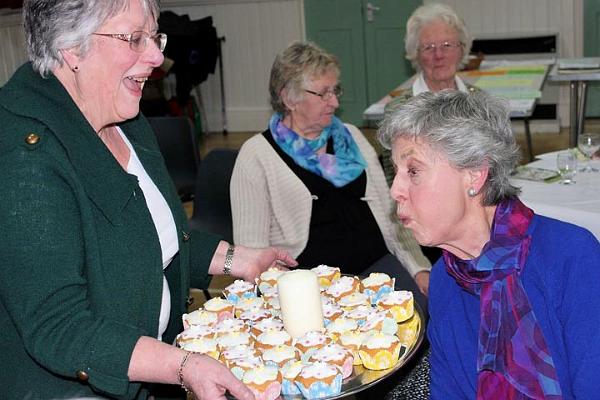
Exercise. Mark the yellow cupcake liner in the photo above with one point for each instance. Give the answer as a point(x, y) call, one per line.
point(408, 330)
point(383, 359)
point(402, 313)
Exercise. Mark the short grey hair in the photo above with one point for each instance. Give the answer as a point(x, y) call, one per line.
point(294, 67)
point(427, 14)
point(471, 130)
point(55, 25)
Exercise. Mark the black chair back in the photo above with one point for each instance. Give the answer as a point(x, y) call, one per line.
point(212, 204)
point(178, 145)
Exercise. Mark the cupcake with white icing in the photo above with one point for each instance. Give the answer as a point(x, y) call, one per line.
point(376, 285)
point(382, 320)
point(380, 351)
point(195, 332)
point(339, 326)
point(239, 289)
point(240, 351)
point(310, 342)
point(254, 315)
point(352, 340)
point(331, 311)
point(289, 373)
point(231, 325)
point(279, 355)
point(319, 379)
point(238, 366)
point(354, 300)
point(270, 292)
point(337, 355)
point(343, 287)
point(271, 339)
point(265, 325)
point(268, 278)
point(199, 317)
point(233, 339)
point(326, 274)
point(204, 345)
point(400, 303)
point(221, 307)
point(248, 304)
point(359, 314)
point(264, 382)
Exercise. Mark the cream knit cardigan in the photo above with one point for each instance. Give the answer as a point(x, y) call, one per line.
point(272, 207)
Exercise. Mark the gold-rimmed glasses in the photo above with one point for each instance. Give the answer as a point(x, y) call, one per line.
point(445, 47)
point(328, 94)
point(138, 40)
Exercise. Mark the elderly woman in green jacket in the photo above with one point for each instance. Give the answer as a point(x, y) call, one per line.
point(95, 256)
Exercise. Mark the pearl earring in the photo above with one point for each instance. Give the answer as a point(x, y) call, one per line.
point(472, 192)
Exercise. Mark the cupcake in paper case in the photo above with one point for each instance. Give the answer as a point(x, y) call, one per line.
point(231, 325)
point(273, 304)
point(205, 346)
point(195, 332)
point(318, 380)
point(339, 326)
point(289, 372)
point(381, 320)
point(270, 292)
point(264, 381)
point(331, 311)
point(279, 355)
point(326, 274)
point(380, 351)
point(240, 351)
point(268, 278)
point(376, 285)
point(310, 342)
point(343, 287)
point(352, 340)
point(360, 313)
point(221, 307)
point(238, 366)
point(269, 339)
point(337, 355)
point(400, 303)
point(233, 339)
point(248, 304)
point(408, 330)
point(354, 300)
point(239, 289)
point(265, 325)
point(254, 315)
point(199, 317)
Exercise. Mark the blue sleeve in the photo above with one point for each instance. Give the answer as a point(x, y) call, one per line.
point(579, 314)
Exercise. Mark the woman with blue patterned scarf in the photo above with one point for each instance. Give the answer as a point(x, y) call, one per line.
point(513, 301)
point(314, 186)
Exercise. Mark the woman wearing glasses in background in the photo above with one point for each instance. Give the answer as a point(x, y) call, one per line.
point(96, 259)
point(437, 43)
point(313, 185)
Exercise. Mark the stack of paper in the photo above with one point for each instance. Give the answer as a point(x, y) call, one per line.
point(578, 65)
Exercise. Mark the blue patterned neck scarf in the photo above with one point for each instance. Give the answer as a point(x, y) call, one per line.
point(513, 359)
point(340, 168)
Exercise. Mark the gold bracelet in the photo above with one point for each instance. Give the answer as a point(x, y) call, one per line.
point(180, 372)
point(228, 260)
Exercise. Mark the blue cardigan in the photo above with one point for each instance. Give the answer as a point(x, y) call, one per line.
point(562, 280)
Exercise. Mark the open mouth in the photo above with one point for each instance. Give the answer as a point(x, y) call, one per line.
point(139, 82)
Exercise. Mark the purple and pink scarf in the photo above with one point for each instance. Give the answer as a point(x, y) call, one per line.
point(513, 359)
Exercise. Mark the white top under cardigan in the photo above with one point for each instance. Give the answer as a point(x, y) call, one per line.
point(164, 224)
point(271, 206)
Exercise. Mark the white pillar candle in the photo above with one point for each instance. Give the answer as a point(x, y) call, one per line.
point(300, 301)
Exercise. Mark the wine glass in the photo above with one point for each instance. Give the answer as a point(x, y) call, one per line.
point(566, 163)
point(589, 143)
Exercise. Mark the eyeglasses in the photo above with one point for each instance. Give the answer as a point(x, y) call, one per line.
point(138, 40)
point(445, 47)
point(326, 95)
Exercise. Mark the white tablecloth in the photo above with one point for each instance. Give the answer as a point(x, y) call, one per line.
point(578, 204)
